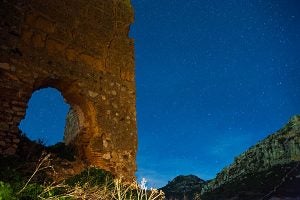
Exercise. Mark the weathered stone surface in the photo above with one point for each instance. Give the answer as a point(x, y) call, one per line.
point(10, 151)
point(80, 48)
point(270, 169)
point(4, 126)
point(4, 66)
point(2, 143)
point(93, 94)
point(72, 127)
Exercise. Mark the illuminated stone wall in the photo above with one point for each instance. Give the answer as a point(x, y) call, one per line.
point(82, 49)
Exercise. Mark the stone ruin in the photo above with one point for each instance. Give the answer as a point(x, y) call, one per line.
point(81, 48)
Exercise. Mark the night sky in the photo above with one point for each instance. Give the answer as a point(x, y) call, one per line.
point(213, 78)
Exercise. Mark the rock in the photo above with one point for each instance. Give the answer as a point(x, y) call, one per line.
point(72, 127)
point(183, 187)
point(55, 47)
point(16, 140)
point(45, 25)
point(267, 169)
point(92, 61)
point(38, 40)
point(105, 143)
point(2, 143)
point(13, 68)
point(4, 66)
point(93, 94)
point(113, 92)
point(106, 156)
point(10, 151)
point(71, 54)
point(4, 126)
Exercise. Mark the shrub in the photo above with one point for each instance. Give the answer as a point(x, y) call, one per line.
point(31, 192)
point(62, 151)
point(92, 183)
point(6, 192)
point(93, 176)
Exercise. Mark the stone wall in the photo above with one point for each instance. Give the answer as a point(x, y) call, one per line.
point(82, 49)
point(72, 128)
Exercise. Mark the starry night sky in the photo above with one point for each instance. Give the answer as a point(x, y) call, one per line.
point(213, 78)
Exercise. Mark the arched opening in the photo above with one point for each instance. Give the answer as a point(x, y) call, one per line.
point(45, 117)
point(50, 125)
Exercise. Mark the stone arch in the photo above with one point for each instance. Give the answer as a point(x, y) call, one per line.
point(87, 122)
point(45, 117)
point(82, 49)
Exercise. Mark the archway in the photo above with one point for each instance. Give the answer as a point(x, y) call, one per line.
point(45, 117)
point(51, 124)
point(78, 119)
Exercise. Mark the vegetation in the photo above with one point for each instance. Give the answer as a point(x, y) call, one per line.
point(184, 187)
point(6, 191)
point(62, 151)
point(92, 183)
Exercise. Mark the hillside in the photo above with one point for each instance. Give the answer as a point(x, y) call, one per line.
point(267, 170)
point(183, 187)
point(271, 168)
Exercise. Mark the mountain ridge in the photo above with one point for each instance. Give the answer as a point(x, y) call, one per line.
point(268, 169)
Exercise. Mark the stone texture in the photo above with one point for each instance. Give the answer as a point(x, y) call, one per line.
point(4, 66)
point(72, 128)
point(80, 48)
point(267, 170)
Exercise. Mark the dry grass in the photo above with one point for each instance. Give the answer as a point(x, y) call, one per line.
point(109, 190)
point(114, 191)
